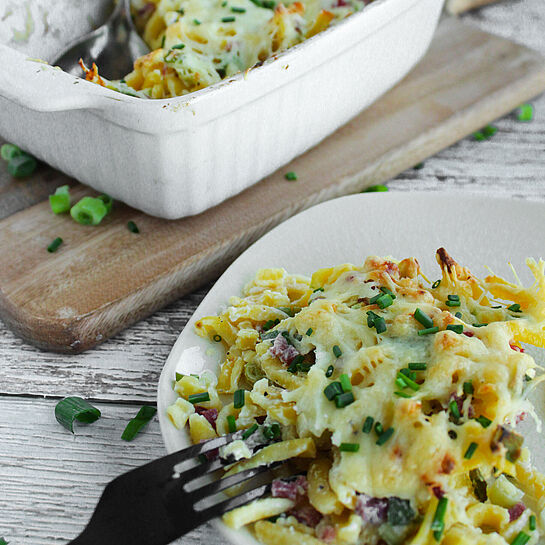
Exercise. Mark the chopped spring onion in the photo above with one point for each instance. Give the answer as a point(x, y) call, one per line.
point(329, 371)
point(238, 10)
point(132, 227)
point(290, 176)
point(343, 400)
point(479, 485)
point(144, 415)
point(468, 388)
point(178, 46)
point(416, 366)
point(368, 424)
point(272, 432)
point(239, 399)
point(249, 431)
point(60, 200)
point(231, 423)
point(349, 447)
point(9, 151)
point(345, 382)
point(296, 364)
point(453, 408)
point(423, 318)
point(514, 308)
point(419, 166)
point(470, 450)
point(309, 332)
point(410, 383)
point(22, 165)
point(337, 352)
point(332, 390)
point(521, 539)
point(3, 541)
point(89, 211)
point(403, 394)
point(400, 512)
point(54, 246)
point(485, 133)
point(75, 408)
point(436, 284)
point(385, 300)
point(408, 373)
point(438, 523)
point(196, 21)
point(378, 429)
point(376, 321)
point(401, 382)
point(454, 297)
point(483, 421)
point(457, 328)
point(179, 376)
point(384, 436)
point(270, 324)
point(458, 315)
point(108, 202)
point(532, 522)
point(526, 112)
point(375, 189)
point(479, 325)
point(201, 397)
point(428, 330)
point(450, 303)
point(217, 338)
point(318, 289)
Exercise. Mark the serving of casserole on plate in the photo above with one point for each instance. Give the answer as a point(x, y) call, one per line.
point(178, 156)
point(397, 394)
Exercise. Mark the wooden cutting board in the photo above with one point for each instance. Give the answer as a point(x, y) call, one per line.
point(105, 278)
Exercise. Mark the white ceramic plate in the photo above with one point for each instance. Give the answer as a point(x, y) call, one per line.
point(475, 230)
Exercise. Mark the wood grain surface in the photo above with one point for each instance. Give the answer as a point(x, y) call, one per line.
point(41, 464)
point(105, 278)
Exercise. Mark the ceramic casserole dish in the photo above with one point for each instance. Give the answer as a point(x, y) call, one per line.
point(177, 157)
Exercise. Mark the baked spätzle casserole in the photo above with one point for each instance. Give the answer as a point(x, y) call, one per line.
point(195, 43)
point(396, 401)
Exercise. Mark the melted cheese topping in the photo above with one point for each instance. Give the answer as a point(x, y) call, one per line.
point(439, 421)
point(196, 43)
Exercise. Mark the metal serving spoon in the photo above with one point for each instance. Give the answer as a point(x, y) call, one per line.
point(114, 46)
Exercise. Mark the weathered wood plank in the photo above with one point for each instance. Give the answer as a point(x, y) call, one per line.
point(51, 479)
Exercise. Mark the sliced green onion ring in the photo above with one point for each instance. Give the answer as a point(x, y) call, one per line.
point(60, 200)
point(89, 211)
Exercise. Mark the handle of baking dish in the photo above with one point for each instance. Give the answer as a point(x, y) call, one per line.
point(33, 84)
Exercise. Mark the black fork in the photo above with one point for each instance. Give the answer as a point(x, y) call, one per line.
point(151, 505)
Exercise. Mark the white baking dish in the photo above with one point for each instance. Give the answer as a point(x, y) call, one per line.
point(178, 157)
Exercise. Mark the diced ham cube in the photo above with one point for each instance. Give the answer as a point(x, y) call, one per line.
point(282, 350)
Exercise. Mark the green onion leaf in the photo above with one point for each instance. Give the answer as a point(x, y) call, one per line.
point(60, 200)
point(179, 376)
point(453, 303)
point(291, 176)
point(453, 297)
point(201, 397)
point(368, 424)
point(401, 382)
point(22, 165)
point(231, 423)
point(329, 371)
point(457, 328)
point(410, 383)
point(249, 431)
point(418, 166)
point(343, 400)
point(403, 394)
point(318, 289)
point(479, 485)
point(89, 211)
point(375, 189)
point(196, 21)
point(514, 308)
point(75, 408)
point(400, 512)
point(309, 332)
point(349, 447)
point(3, 541)
point(54, 246)
point(296, 362)
point(227, 19)
point(438, 523)
point(239, 399)
point(453, 408)
point(436, 284)
point(458, 315)
point(9, 151)
point(428, 330)
point(384, 300)
point(132, 227)
point(483, 421)
point(337, 352)
point(418, 366)
point(238, 10)
point(532, 522)
point(468, 388)
point(423, 318)
point(470, 450)
point(526, 112)
point(345, 382)
point(144, 415)
point(384, 436)
point(108, 202)
point(378, 429)
point(178, 46)
point(332, 390)
point(521, 539)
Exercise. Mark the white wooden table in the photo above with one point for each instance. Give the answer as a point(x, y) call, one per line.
point(50, 480)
